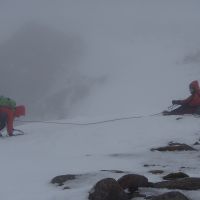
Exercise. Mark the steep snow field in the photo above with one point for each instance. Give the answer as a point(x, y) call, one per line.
point(141, 55)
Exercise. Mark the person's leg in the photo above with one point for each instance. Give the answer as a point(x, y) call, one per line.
point(10, 120)
point(181, 110)
point(3, 120)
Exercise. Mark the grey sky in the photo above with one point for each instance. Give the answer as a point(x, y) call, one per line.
point(52, 52)
point(39, 58)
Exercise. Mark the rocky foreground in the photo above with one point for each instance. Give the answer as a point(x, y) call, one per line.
point(130, 185)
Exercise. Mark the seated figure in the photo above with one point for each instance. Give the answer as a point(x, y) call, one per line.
point(191, 105)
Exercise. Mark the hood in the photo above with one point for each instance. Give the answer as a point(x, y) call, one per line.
point(195, 86)
point(20, 111)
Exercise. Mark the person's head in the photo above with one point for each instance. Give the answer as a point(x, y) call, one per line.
point(192, 90)
point(194, 87)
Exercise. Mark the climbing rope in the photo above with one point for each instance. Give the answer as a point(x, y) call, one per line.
point(89, 123)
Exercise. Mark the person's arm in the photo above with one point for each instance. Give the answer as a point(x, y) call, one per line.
point(182, 102)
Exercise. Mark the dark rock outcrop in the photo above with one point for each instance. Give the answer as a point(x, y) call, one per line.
point(60, 180)
point(149, 165)
point(174, 147)
point(113, 171)
point(196, 143)
point(170, 196)
point(156, 171)
point(182, 184)
point(173, 176)
point(107, 189)
point(133, 181)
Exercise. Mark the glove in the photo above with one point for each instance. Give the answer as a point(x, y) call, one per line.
point(176, 102)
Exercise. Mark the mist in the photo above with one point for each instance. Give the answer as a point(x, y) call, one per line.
point(71, 58)
point(40, 59)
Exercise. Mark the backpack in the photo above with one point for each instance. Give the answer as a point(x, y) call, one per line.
point(7, 102)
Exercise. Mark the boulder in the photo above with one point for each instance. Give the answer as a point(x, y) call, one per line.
point(173, 176)
point(182, 184)
point(107, 189)
point(133, 181)
point(170, 196)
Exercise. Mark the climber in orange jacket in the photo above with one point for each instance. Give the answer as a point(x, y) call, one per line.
point(7, 116)
point(191, 105)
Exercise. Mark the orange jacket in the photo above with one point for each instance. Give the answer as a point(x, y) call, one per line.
point(194, 99)
point(11, 114)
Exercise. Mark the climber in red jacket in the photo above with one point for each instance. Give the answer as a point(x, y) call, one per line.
point(191, 105)
point(7, 115)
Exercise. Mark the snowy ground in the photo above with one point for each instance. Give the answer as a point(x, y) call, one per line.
point(29, 162)
point(146, 54)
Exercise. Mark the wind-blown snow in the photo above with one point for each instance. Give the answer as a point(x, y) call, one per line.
point(132, 58)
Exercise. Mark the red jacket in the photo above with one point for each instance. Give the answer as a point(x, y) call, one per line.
point(11, 114)
point(194, 99)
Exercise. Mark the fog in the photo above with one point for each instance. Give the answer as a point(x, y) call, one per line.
point(72, 57)
point(40, 59)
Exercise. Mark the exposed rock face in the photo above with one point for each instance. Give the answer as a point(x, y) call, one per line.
point(182, 184)
point(107, 189)
point(60, 180)
point(196, 143)
point(173, 176)
point(133, 181)
point(113, 171)
point(156, 171)
point(174, 147)
point(170, 196)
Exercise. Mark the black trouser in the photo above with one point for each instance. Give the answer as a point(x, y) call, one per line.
point(3, 120)
point(185, 109)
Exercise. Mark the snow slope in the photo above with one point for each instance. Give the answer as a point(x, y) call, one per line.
point(29, 162)
point(143, 54)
